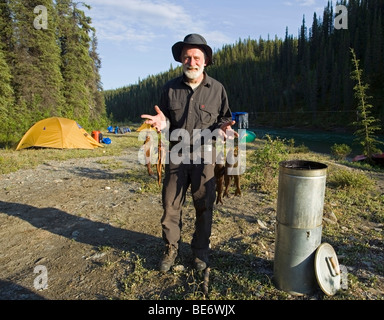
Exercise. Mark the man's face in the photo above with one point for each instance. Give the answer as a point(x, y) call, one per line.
point(193, 60)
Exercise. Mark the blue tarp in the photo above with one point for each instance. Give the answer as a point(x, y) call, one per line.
point(106, 140)
point(241, 119)
point(117, 130)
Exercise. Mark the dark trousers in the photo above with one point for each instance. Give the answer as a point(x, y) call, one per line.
point(176, 182)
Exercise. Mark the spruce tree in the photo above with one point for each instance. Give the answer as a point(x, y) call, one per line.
point(8, 115)
point(366, 124)
point(6, 31)
point(98, 112)
point(6, 101)
point(36, 70)
point(76, 63)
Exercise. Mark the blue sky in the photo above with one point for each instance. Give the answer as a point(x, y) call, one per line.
point(135, 36)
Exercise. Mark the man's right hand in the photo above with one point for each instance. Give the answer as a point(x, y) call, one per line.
point(159, 121)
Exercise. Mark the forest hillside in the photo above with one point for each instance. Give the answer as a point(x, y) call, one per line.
point(49, 66)
point(301, 80)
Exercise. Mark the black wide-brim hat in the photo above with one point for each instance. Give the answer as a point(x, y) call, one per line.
point(192, 40)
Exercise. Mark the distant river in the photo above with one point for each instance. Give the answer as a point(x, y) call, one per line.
point(316, 141)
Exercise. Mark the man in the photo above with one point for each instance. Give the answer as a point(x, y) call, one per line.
point(191, 101)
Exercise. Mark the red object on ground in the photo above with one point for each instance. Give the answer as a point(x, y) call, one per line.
point(95, 135)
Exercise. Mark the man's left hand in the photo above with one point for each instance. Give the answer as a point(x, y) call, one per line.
point(227, 131)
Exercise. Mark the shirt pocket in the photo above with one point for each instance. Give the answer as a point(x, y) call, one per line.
point(208, 114)
point(177, 113)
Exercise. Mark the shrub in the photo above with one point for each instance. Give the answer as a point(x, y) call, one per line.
point(265, 164)
point(340, 151)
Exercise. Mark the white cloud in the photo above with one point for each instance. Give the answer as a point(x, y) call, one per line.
point(141, 21)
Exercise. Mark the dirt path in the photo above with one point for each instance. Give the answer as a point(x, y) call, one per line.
point(76, 226)
point(71, 217)
point(82, 221)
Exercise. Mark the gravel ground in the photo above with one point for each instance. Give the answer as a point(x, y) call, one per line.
point(69, 229)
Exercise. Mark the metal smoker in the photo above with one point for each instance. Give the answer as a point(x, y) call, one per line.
point(299, 213)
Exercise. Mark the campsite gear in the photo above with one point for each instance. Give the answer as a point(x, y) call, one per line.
point(377, 158)
point(145, 126)
point(327, 269)
point(107, 140)
point(96, 135)
point(122, 130)
point(247, 136)
point(192, 39)
point(299, 213)
point(60, 133)
point(241, 119)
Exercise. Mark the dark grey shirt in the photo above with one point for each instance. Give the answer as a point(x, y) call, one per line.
point(206, 107)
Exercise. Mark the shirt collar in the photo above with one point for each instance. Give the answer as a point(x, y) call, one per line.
point(207, 81)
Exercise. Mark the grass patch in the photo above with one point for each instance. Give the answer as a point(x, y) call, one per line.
point(350, 179)
point(11, 160)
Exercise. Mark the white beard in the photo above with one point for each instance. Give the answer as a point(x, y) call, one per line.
point(193, 74)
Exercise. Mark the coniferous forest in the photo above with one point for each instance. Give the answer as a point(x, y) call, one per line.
point(49, 66)
point(301, 80)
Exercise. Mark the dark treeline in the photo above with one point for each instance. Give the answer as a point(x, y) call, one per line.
point(296, 81)
point(49, 66)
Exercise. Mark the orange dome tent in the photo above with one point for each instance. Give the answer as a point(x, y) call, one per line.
point(60, 133)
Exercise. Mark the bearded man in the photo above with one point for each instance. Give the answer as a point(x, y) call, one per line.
point(191, 101)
